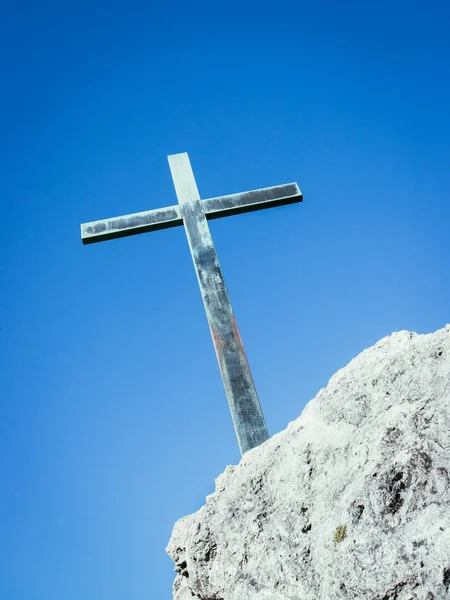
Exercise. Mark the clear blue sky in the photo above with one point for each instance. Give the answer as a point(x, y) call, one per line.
point(113, 418)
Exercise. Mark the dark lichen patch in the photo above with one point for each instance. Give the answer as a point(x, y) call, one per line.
point(391, 436)
point(446, 578)
point(257, 484)
point(395, 488)
point(181, 568)
point(210, 553)
point(259, 520)
point(396, 503)
point(308, 460)
point(393, 593)
point(306, 528)
point(356, 511)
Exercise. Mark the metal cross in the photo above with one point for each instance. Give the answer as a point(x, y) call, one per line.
point(194, 214)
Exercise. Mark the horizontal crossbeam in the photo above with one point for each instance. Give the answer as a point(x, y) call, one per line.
point(214, 208)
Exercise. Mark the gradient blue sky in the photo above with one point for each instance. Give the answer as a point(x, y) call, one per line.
point(113, 418)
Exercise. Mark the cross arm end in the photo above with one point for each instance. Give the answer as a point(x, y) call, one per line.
point(234, 204)
point(150, 220)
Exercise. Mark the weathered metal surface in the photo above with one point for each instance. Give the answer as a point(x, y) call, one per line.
point(150, 220)
point(240, 389)
point(162, 218)
point(235, 204)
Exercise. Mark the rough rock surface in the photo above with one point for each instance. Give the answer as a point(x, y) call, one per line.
point(352, 500)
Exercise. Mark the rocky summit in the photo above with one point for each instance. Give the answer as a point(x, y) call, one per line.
point(352, 500)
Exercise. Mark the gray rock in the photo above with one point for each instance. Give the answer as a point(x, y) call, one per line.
point(352, 500)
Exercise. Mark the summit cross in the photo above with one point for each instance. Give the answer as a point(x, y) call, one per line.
point(194, 213)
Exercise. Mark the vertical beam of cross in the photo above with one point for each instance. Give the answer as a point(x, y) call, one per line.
point(248, 419)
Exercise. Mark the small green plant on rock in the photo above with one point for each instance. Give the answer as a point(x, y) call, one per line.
point(340, 533)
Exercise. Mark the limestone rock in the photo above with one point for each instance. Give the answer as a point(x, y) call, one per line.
point(352, 500)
